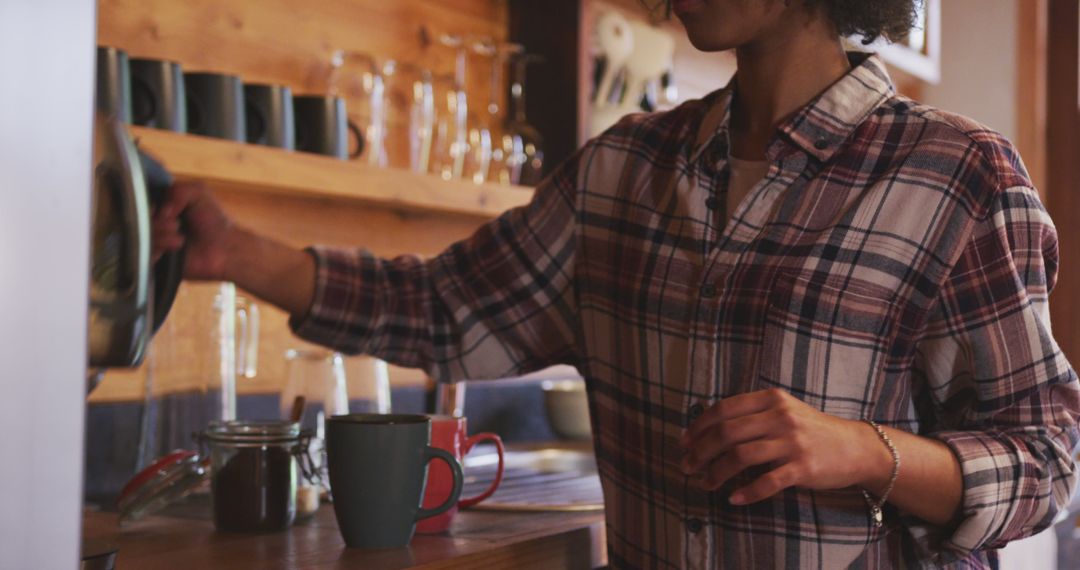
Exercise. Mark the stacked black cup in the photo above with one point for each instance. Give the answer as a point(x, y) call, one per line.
point(157, 93)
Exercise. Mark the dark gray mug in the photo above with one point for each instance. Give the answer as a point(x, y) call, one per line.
point(157, 95)
point(215, 105)
point(113, 95)
point(378, 472)
point(323, 127)
point(270, 117)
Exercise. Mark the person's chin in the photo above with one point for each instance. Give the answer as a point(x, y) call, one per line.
point(687, 7)
point(707, 37)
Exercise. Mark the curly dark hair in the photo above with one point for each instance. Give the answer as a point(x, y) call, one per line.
point(870, 19)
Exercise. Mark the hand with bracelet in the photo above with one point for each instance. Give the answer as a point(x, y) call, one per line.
point(814, 450)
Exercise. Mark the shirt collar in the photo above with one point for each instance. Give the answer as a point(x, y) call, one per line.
point(822, 125)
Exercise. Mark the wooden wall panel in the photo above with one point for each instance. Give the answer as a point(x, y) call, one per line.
point(1063, 165)
point(289, 42)
point(1031, 29)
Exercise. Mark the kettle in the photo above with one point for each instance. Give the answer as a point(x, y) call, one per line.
point(129, 296)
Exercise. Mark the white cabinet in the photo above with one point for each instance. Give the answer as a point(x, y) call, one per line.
point(46, 102)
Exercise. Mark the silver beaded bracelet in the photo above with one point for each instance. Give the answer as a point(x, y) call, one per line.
point(877, 506)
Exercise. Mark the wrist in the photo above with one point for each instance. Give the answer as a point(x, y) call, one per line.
point(279, 274)
point(875, 459)
point(235, 243)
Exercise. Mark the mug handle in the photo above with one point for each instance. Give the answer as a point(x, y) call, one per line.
point(459, 480)
point(469, 443)
point(356, 132)
point(257, 133)
point(141, 89)
point(194, 110)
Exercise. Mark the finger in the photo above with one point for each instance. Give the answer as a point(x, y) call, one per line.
point(735, 407)
point(157, 254)
point(743, 456)
point(181, 196)
point(164, 227)
point(171, 243)
point(166, 212)
point(164, 241)
point(165, 235)
point(729, 433)
point(769, 484)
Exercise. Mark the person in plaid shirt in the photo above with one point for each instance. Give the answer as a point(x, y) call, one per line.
point(794, 301)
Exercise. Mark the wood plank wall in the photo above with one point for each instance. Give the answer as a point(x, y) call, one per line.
point(1063, 165)
point(288, 42)
point(1032, 23)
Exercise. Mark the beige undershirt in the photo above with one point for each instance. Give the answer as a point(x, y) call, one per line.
point(744, 175)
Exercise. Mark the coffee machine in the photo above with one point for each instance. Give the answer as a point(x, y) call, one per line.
point(129, 294)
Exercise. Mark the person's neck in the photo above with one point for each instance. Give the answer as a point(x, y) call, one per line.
point(777, 75)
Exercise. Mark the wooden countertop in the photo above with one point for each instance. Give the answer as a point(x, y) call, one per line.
point(477, 539)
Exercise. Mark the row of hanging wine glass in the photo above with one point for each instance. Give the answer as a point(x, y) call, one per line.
point(412, 116)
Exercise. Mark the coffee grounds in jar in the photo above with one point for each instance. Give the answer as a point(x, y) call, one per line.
point(254, 490)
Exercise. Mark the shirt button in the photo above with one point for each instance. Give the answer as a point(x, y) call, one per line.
point(695, 411)
point(821, 144)
point(694, 525)
point(708, 291)
point(712, 202)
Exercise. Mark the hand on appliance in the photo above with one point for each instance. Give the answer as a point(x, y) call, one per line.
point(192, 217)
point(218, 249)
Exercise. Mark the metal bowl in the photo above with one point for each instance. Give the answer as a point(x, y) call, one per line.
point(567, 407)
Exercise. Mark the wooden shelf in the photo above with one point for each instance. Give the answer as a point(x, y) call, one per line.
point(265, 169)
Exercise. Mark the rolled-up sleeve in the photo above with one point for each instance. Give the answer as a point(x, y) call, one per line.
point(1002, 395)
point(498, 303)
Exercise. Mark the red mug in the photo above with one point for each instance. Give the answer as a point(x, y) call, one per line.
point(448, 432)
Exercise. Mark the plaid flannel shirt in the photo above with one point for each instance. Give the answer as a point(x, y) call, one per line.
point(893, 264)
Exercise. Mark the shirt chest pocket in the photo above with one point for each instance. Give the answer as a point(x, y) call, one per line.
point(826, 340)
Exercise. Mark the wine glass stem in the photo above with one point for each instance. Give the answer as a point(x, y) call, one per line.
point(517, 91)
point(459, 67)
point(496, 84)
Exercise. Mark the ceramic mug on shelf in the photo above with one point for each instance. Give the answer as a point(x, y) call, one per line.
point(323, 127)
point(270, 116)
point(215, 105)
point(113, 97)
point(449, 433)
point(158, 99)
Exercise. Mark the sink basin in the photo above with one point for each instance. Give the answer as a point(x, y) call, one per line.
point(536, 479)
